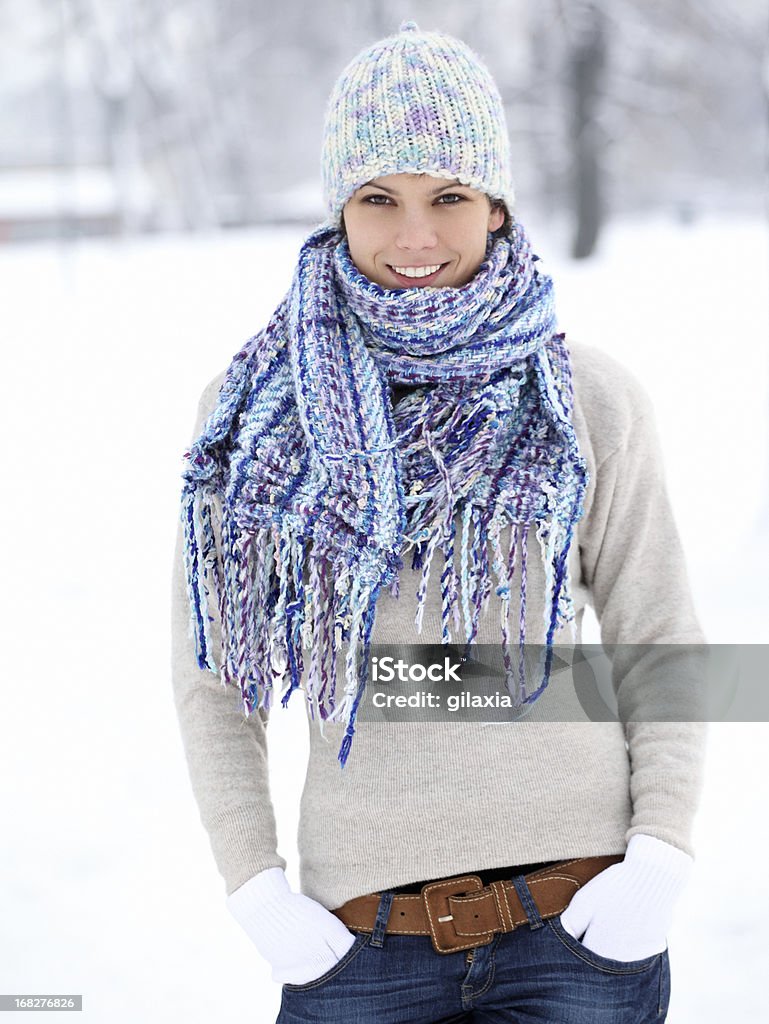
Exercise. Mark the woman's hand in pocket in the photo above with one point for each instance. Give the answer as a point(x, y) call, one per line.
point(296, 935)
point(624, 912)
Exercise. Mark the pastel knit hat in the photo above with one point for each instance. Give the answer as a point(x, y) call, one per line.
point(415, 102)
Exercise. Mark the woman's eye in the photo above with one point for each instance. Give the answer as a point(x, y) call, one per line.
point(451, 196)
point(373, 200)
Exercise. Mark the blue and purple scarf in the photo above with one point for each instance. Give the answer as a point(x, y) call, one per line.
point(306, 487)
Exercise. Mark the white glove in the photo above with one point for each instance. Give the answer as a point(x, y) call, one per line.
point(625, 911)
point(296, 935)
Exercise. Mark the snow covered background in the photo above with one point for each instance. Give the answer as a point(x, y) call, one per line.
point(109, 888)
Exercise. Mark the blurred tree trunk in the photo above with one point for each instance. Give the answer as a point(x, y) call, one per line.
point(763, 511)
point(586, 34)
point(544, 100)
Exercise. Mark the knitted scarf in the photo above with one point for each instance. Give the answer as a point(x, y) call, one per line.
point(319, 487)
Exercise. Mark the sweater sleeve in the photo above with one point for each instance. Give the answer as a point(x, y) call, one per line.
point(634, 565)
point(226, 751)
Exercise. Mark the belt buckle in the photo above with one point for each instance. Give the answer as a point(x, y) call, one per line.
point(435, 897)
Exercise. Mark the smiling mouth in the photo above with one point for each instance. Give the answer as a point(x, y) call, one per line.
point(414, 276)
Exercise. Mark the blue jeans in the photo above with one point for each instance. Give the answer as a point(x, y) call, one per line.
point(536, 973)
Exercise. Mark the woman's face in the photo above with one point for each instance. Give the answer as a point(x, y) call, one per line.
point(414, 230)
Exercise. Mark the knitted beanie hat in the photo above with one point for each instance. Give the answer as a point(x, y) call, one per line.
point(415, 102)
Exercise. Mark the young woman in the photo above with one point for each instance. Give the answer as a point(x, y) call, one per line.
point(411, 396)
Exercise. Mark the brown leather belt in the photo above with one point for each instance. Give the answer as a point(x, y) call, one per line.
point(461, 912)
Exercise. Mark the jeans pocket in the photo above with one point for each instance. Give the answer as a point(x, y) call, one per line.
point(601, 963)
point(361, 940)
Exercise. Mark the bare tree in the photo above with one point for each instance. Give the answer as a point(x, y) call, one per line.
point(586, 35)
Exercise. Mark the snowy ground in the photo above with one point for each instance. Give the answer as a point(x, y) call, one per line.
point(108, 884)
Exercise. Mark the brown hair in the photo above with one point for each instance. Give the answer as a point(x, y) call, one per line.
point(507, 223)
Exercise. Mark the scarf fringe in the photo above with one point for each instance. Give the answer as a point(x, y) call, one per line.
point(319, 617)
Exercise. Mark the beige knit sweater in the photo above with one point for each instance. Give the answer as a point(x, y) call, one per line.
point(431, 799)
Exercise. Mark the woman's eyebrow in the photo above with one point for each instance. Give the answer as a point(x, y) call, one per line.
point(371, 184)
point(432, 192)
point(449, 184)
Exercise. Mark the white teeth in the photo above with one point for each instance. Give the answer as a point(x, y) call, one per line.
point(417, 271)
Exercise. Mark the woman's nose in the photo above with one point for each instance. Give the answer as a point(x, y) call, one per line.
point(415, 232)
